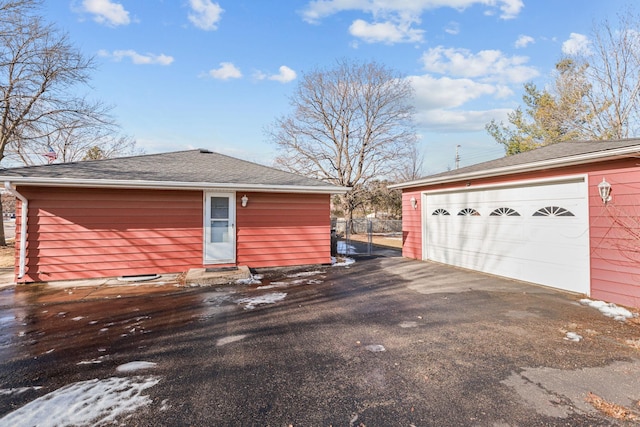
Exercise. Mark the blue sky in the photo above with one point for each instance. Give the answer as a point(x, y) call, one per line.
point(214, 74)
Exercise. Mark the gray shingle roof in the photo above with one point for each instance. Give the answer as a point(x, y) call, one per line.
point(547, 157)
point(193, 166)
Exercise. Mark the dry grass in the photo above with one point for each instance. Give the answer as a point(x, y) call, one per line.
point(611, 409)
point(633, 343)
point(390, 242)
point(7, 256)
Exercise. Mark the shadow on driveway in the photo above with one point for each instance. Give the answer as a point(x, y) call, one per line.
point(384, 342)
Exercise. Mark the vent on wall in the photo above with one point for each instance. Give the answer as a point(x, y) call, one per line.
point(139, 278)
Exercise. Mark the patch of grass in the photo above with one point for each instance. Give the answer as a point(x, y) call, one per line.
point(7, 256)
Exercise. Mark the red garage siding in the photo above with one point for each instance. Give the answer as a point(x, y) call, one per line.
point(76, 233)
point(283, 229)
point(615, 237)
point(411, 225)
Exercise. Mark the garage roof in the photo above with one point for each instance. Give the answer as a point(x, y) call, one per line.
point(182, 169)
point(552, 156)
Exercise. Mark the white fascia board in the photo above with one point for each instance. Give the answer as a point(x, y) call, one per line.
point(171, 185)
point(525, 167)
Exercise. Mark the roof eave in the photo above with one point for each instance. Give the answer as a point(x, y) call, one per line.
point(581, 159)
point(171, 185)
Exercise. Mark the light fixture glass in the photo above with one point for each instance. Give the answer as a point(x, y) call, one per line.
point(414, 203)
point(244, 201)
point(605, 191)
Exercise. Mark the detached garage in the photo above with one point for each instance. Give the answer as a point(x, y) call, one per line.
point(537, 217)
point(165, 213)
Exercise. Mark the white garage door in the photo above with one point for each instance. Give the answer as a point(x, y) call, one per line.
point(534, 232)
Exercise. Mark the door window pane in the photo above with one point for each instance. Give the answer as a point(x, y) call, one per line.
point(219, 231)
point(219, 207)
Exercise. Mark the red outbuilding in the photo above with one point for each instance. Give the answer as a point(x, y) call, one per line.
point(566, 216)
point(164, 213)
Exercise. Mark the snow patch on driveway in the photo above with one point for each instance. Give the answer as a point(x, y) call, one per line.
point(18, 390)
point(253, 302)
point(136, 366)
point(94, 402)
point(609, 309)
point(230, 339)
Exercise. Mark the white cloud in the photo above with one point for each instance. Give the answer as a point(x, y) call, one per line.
point(285, 75)
point(440, 103)
point(318, 9)
point(226, 71)
point(577, 44)
point(452, 28)
point(106, 12)
point(445, 92)
point(524, 41)
point(459, 120)
point(489, 65)
point(205, 14)
point(385, 32)
point(137, 58)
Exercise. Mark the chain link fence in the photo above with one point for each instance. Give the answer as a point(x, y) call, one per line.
point(364, 236)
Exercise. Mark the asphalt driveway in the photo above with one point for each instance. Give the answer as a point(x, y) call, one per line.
point(382, 342)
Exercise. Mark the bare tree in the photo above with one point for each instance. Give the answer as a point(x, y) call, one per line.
point(614, 73)
point(349, 125)
point(40, 72)
point(413, 166)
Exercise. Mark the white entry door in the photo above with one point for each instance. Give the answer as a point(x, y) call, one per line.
point(220, 228)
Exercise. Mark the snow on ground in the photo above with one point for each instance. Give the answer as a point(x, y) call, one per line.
point(343, 248)
point(94, 402)
point(135, 366)
point(304, 274)
point(230, 339)
point(90, 362)
point(375, 348)
point(344, 263)
point(609, 309)
point(252, 280)
point(252, 302)
point(408, 324)
point(19, 390)
point(572, 336)
point(274, 285)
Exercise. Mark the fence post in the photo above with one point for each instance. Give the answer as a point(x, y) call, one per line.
point(369, 236)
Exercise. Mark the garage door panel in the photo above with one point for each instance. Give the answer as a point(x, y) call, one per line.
point(533, 244)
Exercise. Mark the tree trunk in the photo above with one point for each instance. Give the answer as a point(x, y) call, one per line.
point(3, 241)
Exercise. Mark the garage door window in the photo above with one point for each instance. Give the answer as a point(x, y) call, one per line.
point(440, 212)
point(552, 211)
point(468, 212)
point(504, 212)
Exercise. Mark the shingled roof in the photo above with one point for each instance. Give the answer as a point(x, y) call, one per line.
point(181, 169)
point(552, 156)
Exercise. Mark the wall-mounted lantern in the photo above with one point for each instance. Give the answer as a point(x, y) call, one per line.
point(244, 201)
point(414, 203)
point(605, 191)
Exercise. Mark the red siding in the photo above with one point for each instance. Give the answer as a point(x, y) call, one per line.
point(283, 229)
point(615, 237)
point(411, 226)
point(91, 233)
